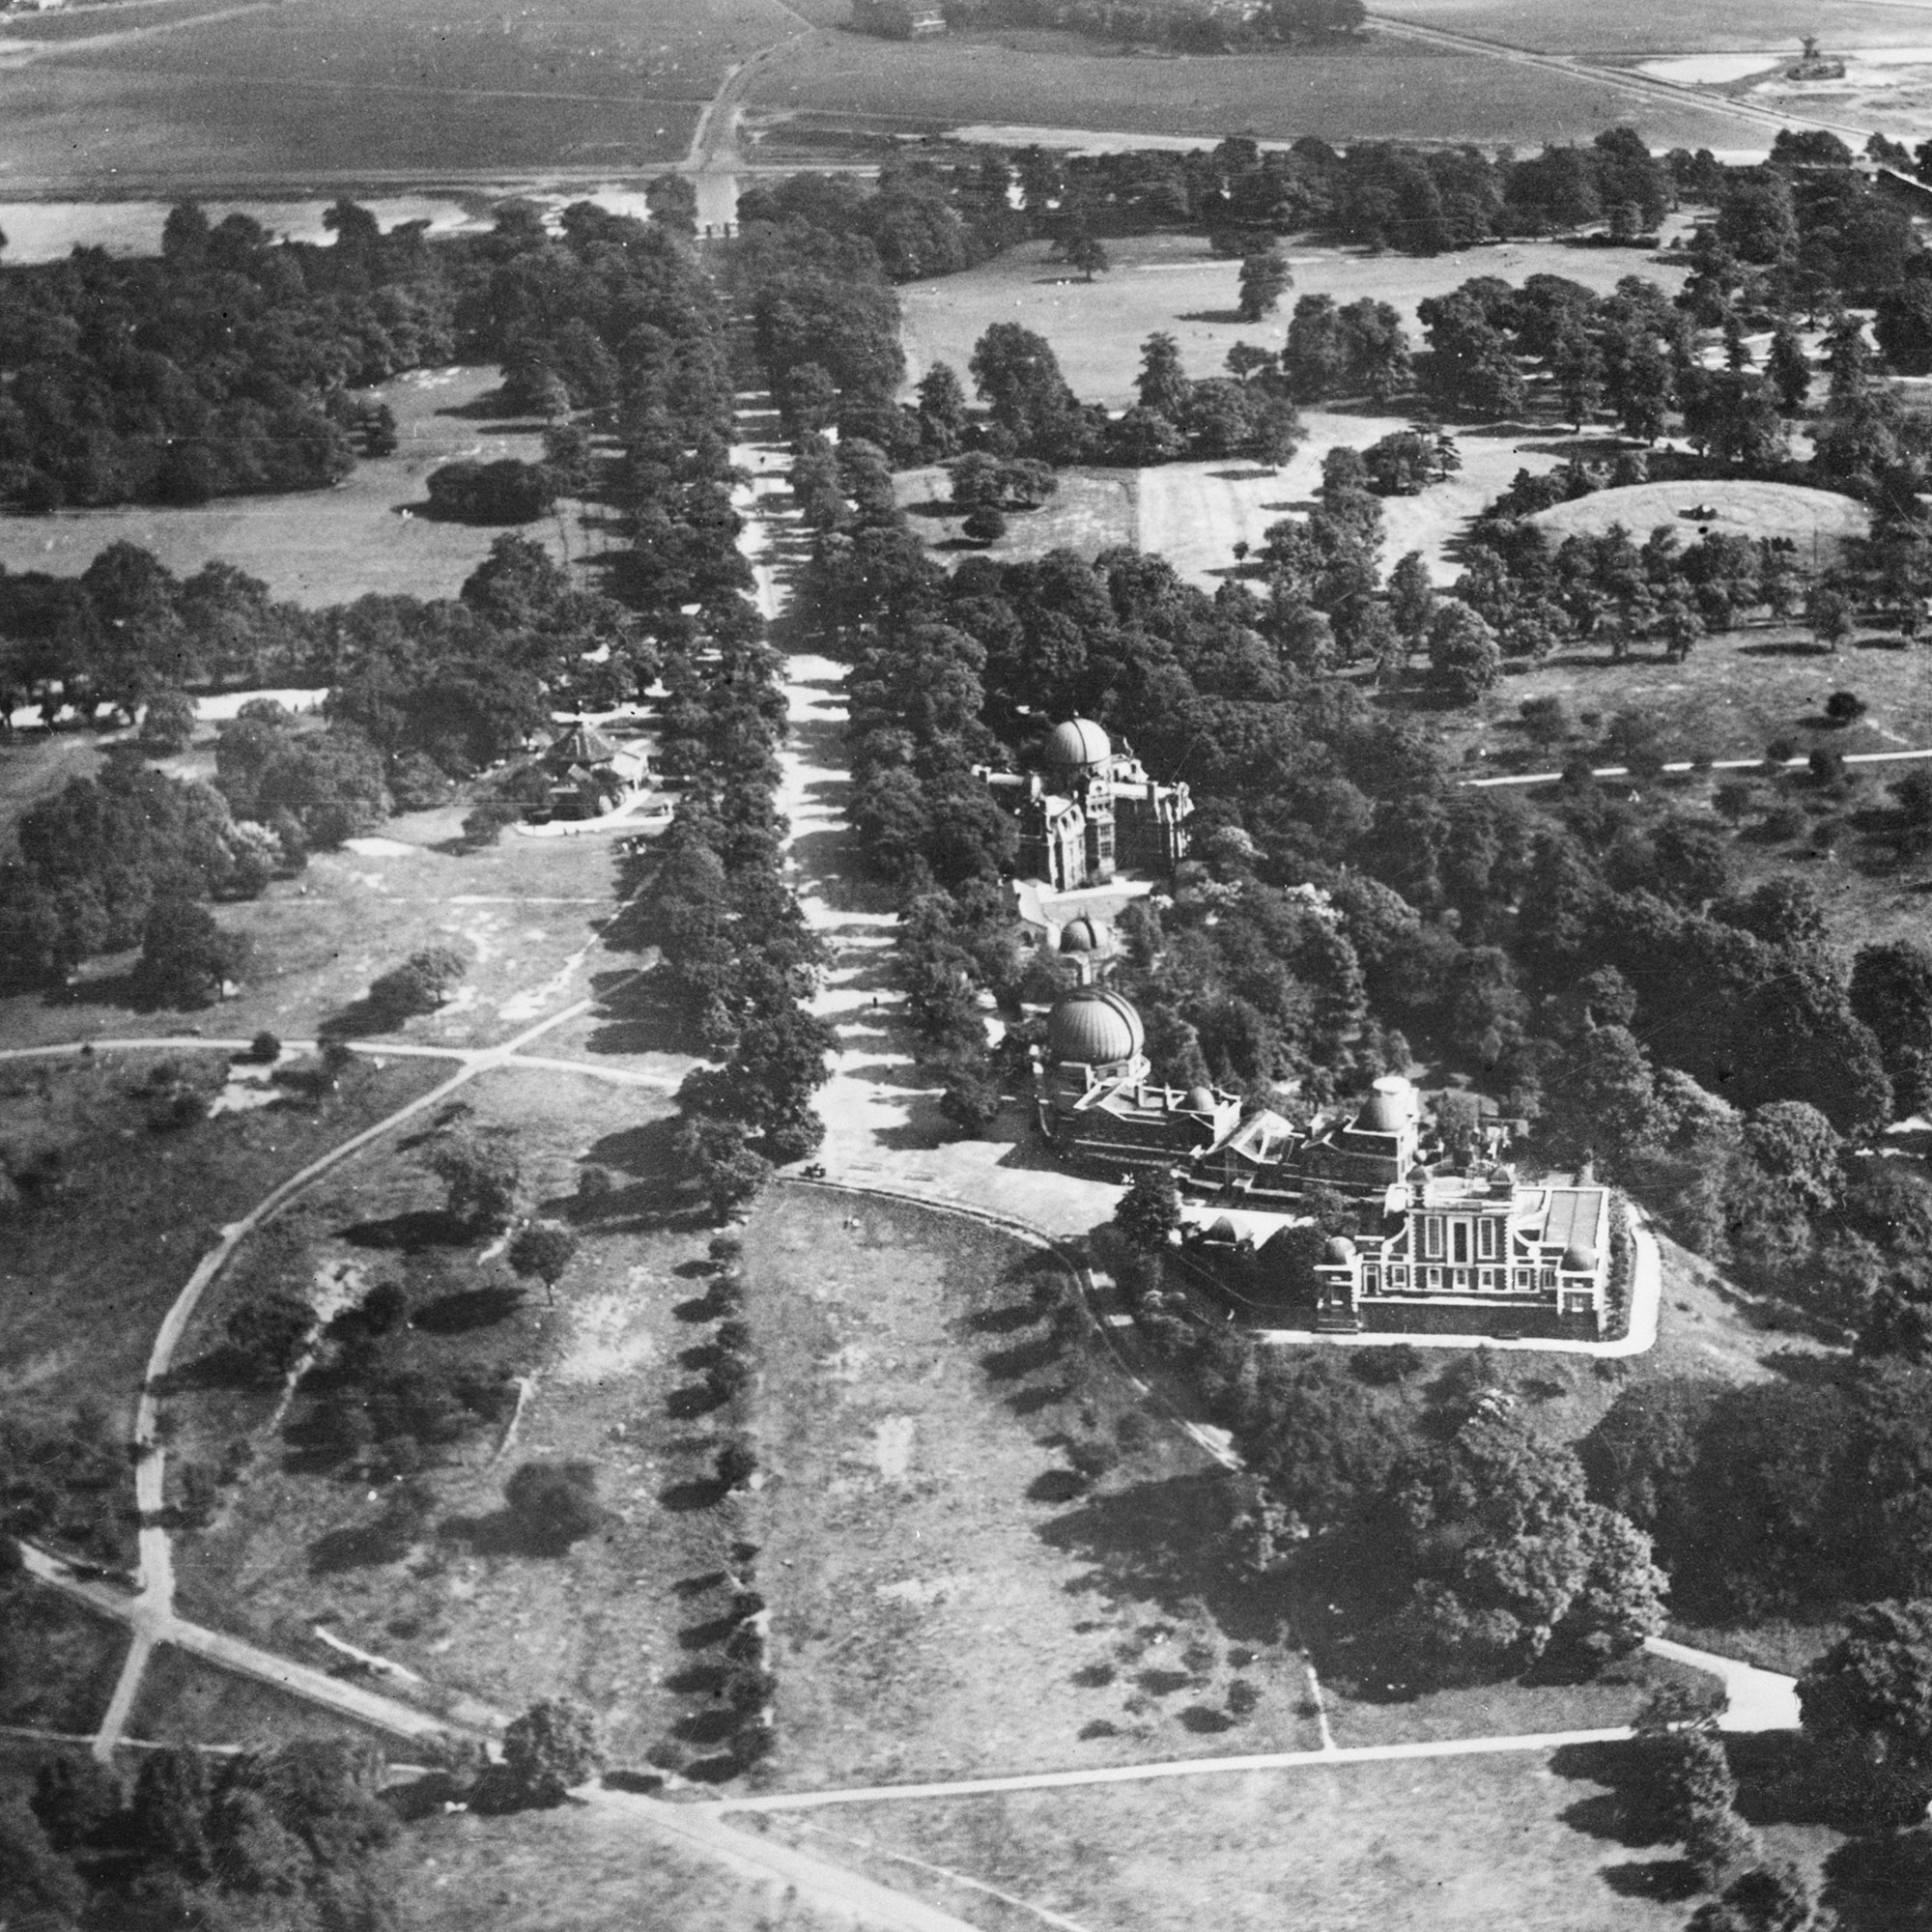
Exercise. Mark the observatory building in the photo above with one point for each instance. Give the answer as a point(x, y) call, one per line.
point(1090, 811)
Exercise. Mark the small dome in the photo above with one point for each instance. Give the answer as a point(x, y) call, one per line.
point(1339, 1248)
point(1580, 1256)
point(1200, 1100)
point(1075, 745)
point(1080, 935)
point(1094, 1027)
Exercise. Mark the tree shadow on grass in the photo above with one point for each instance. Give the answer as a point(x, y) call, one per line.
point(1882, 1882)
point(409, 1232)
point(355, 1547)
point(1022, 1359)
point(699, 1679)
point(1219, 317)
point(707, 1728)
point(1662, 1881)
point(696, 1492)
point(708, 1634)
point(1159, 1543)
point(694, 1399)
point(468, 1309)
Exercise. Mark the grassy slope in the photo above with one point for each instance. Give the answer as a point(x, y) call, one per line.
point(59, 1661)
point(603, 1621)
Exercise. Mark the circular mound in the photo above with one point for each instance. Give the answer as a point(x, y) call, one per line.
point(1094, 1027)
point(1736, 510)
point(1077, 743)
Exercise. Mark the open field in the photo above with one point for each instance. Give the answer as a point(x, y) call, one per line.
point(1172, 282)
point(1816, 521)
point(1656, 26)
point(1457, 1845)
point(86, 1279)
point(946, 1599)
point(1385, 89)
point(321, 547)
point(359, 88)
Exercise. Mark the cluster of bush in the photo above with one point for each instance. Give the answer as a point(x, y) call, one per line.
point(1187, 27)
point(201, 1840)
point(68, 1484)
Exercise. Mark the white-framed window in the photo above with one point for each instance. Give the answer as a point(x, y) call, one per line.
point(1372, 1280)
point(1432, 1237)
point(1525, 1278)
point(1576, 1304)
point(1435, 1277)
point(1549, 1277)
point(1486, 1239)
point(1459, 1240)
point(1398, 1277)
point(1486, 1278)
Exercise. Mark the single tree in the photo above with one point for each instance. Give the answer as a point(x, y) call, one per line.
point(1149, 1212)
point(550, 1748)
point(1265, 278)
point(481, 1174)
point(167, 724)
point(544, 1249)
point(267, 1334)
point(1866, 1704)
point(1087, 253)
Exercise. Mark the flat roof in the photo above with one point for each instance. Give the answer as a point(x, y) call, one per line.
point(1574, 1213)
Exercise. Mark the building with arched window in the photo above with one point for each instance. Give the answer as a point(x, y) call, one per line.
point(1090, 810)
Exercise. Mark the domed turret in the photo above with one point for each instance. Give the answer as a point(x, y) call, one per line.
point(1580, 1257)
point(1094, 1027)
point(1079, 745)
point(1200, 1100)
point(1339, 1248)
point(1083, 935)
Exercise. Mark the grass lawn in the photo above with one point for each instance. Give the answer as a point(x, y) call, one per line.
point(321, 547)
point(59, 1661)
point(1383, 89)
point(1092, 510)
point(184, 1700)
point(469, 1608)
point(574, 1870)
point(87, 1278)
point(1172, 282)
point(1423, 1846)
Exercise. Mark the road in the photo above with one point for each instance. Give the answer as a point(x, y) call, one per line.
point(1638, 86)
point(1684, 765)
